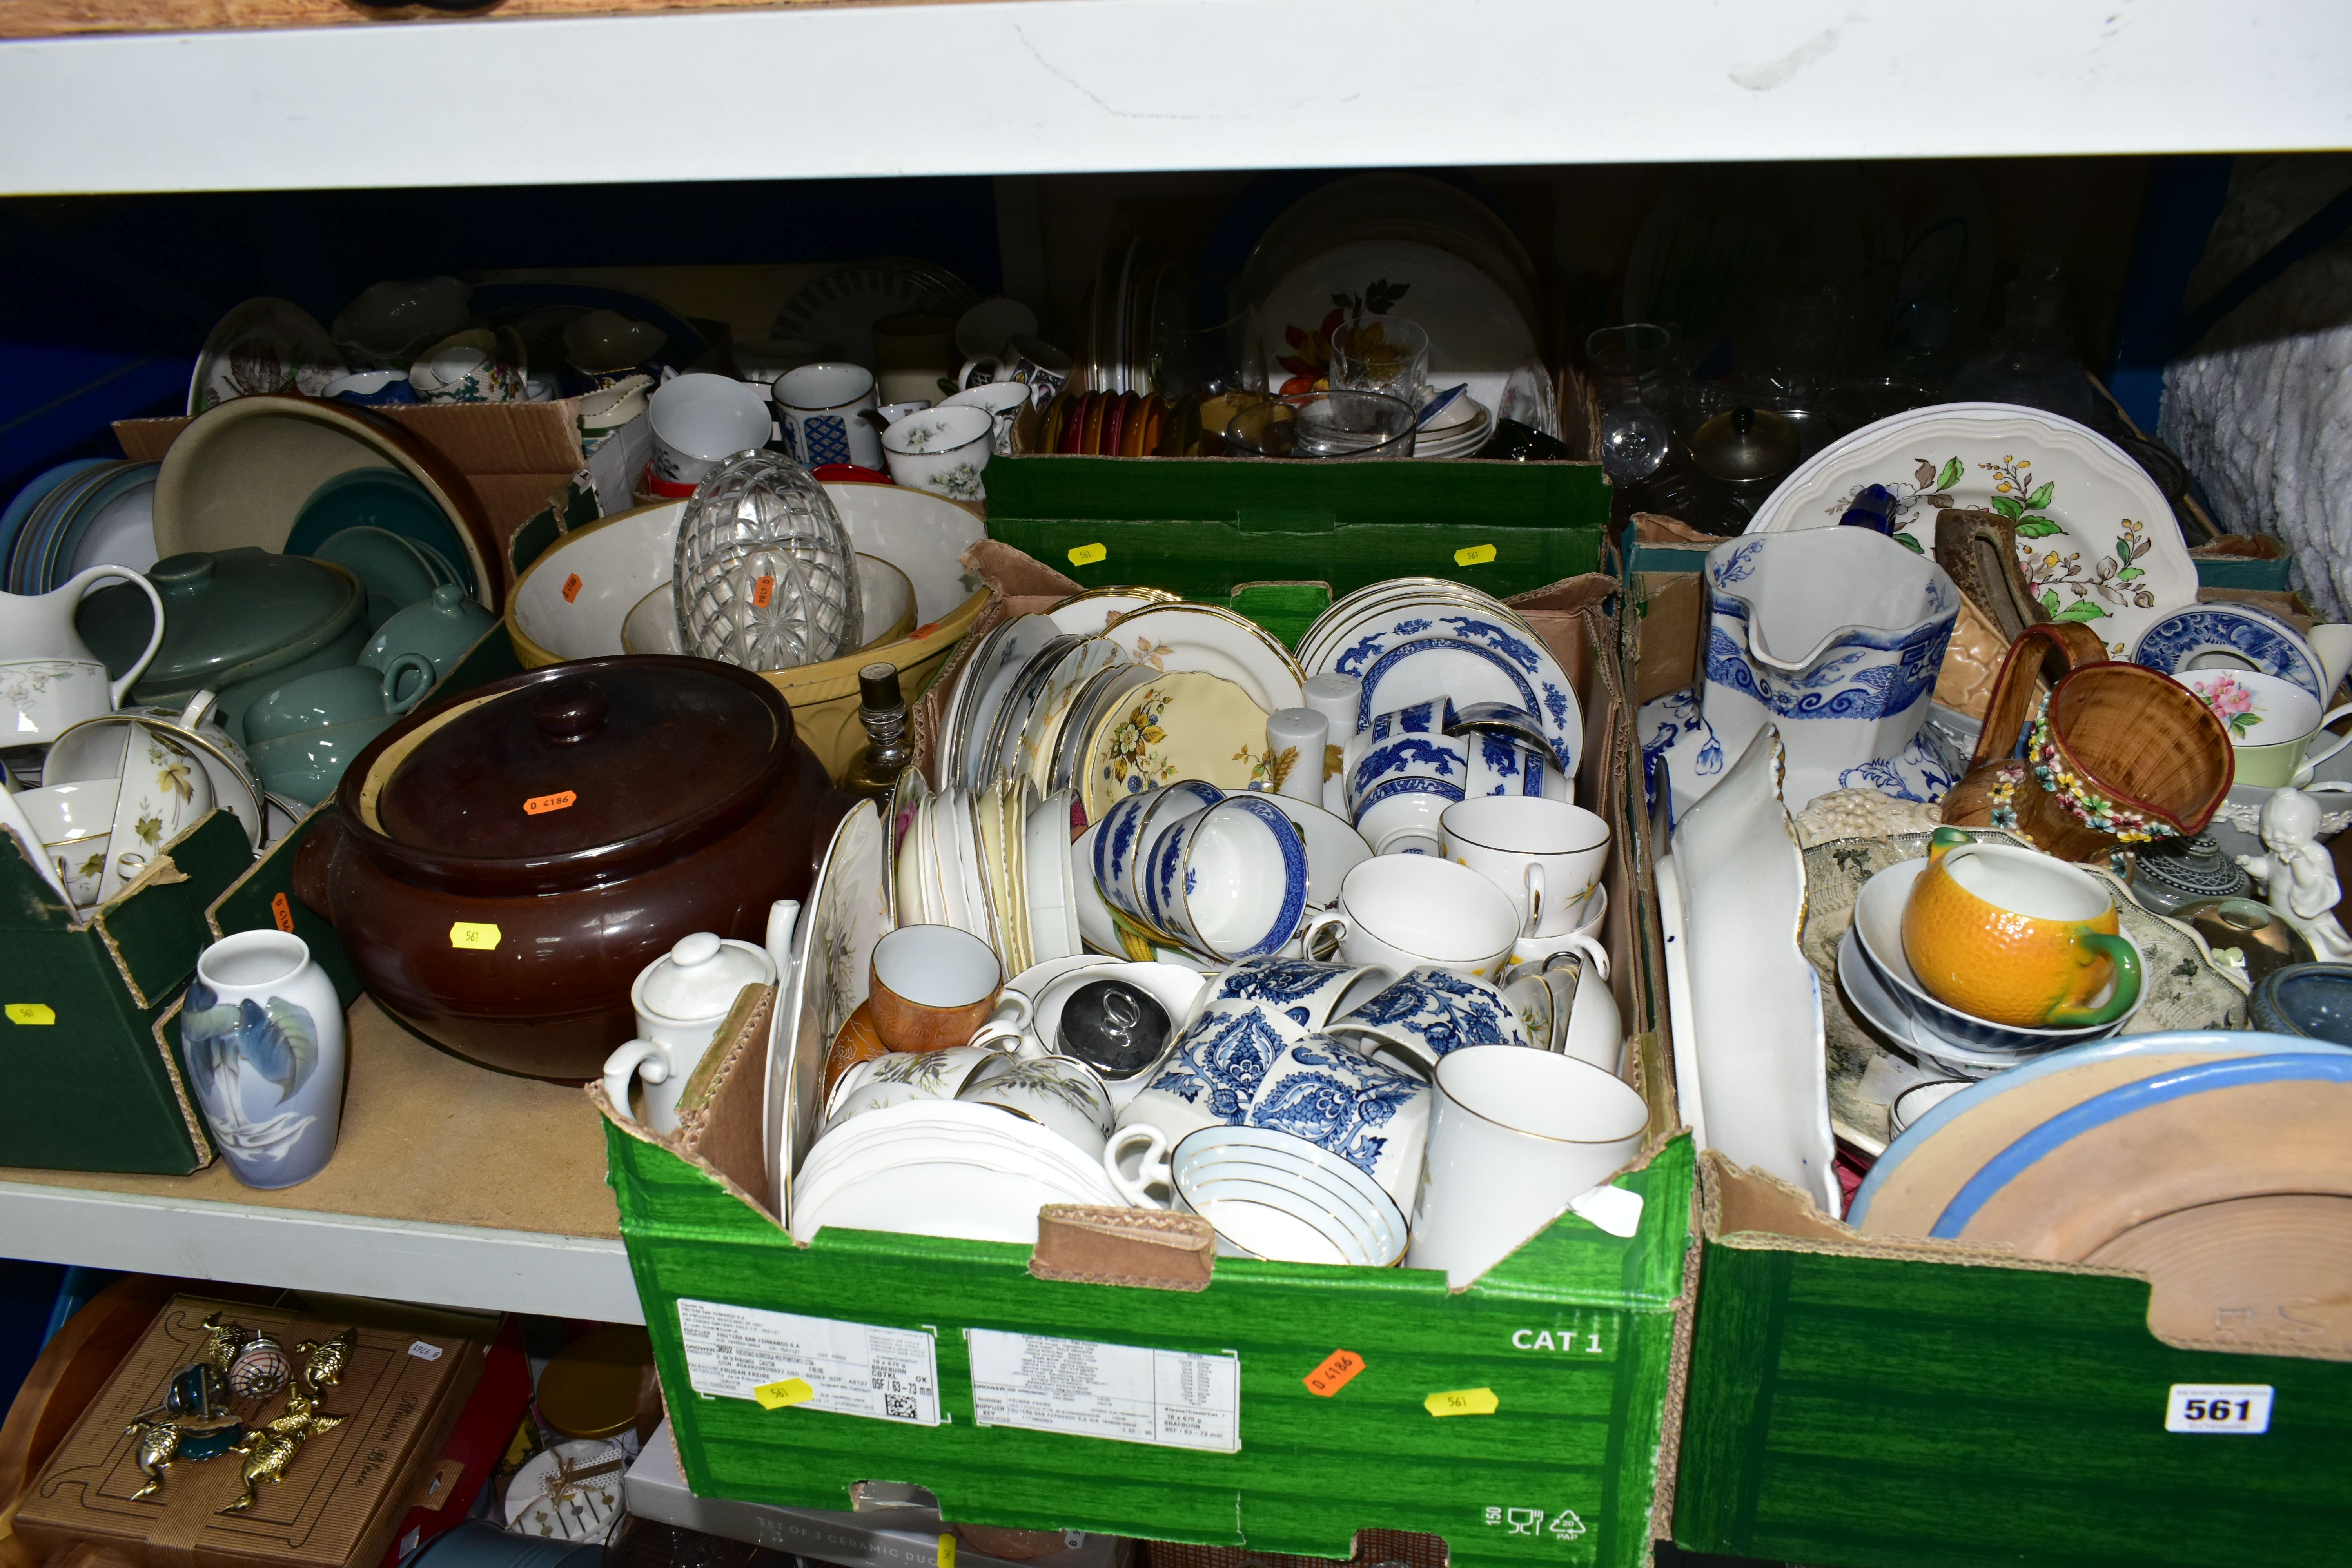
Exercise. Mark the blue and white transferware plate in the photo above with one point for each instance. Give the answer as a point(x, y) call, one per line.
point(1430, 654)
point(2175, 642)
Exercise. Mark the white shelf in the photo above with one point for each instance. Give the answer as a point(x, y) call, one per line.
point(450, 1185)
point(444, 1265)
point(1039, 86)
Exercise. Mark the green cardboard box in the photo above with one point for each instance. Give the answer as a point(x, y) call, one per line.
point(1198, 526)
point(1872, 1402)
point(1575, 1335)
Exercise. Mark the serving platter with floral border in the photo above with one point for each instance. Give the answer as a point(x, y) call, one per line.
point(2096, 537)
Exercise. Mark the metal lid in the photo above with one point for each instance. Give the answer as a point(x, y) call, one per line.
point(593, 756)
point(589, 1386)
point(228, 615)
point(1744, 444)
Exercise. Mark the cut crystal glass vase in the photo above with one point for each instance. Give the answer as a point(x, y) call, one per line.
point(766, 575)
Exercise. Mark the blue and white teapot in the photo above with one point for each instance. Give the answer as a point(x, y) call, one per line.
point(1836, 635)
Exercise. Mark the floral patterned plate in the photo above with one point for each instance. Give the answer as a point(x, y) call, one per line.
point(1180, 638)
point(1181, 726)
point(1476, 334)
point(2096, 537)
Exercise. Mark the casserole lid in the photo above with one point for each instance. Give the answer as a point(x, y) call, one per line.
point(578, 757)
point(228, 615)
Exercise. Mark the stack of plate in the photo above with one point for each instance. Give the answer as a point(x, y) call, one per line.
point(1423, 639)
point(1409, 246)
point(1139, 316)
point(85, 513)
point(2214, 1163)
point(1878, 981)
point(1457, 430)
point(942, 1167)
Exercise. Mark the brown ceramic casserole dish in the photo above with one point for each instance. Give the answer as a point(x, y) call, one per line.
point(501, 866)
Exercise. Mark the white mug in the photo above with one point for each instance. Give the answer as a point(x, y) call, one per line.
point(1401, 911)
point(702, 420)
point(817, 409)
point(1513, 1136)
point(680, 999)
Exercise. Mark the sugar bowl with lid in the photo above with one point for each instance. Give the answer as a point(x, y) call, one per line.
point(502, 865)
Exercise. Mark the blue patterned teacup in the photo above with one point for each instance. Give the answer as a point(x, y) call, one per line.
point(1129, 829)
point(1229, 882)
point(1301, 991)
point(1427, 1014)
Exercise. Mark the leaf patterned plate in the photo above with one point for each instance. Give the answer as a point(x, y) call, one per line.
point(2096, 537)
point(1180, 638)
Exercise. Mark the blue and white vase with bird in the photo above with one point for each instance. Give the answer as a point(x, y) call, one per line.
point(261, 1037)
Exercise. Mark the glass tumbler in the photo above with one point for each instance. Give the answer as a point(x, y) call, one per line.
point(1381, 353)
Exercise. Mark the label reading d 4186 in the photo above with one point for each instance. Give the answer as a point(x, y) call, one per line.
point(2237, 1408)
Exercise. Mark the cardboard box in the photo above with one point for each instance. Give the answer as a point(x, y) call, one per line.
point(90, 1012)
point(341, 1494)
point(92, 1086)
point(1198, 526)
point(1576, 1333)
point(1876, 1402)
point(521, 461)
point(874, 1534)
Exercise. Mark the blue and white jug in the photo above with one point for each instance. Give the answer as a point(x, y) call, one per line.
point(1836, 635)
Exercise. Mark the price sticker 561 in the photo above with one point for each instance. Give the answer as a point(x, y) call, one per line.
point(474, 936)
point(2244, 1408)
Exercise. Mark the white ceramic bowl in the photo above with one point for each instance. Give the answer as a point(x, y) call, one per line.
point(628, 555)
point(651, 624)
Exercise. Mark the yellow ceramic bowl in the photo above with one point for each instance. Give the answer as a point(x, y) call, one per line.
point(571, 603)
point(2016, 937)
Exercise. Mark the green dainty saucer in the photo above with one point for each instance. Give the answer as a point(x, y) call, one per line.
point(385, 499)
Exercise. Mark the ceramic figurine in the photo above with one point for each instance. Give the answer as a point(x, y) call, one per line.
point(267, 1451)
point(2298, 873)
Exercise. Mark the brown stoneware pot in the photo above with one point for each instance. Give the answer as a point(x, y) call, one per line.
point(500, 865)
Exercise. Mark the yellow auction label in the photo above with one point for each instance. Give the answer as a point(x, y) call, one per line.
point(1462, 1402)
point(472, 937)
point(947, 1552)
point(776, 1396)
point(1086, 555)
point(31, 1012)
point(1474, 555)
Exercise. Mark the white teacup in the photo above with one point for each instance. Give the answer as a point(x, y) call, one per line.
point(1060, 1094)
point(1513, 1136)
point(942, 450)
point(702, 420)
point(897, 1077)
point(1230, 882)
point(1269, 1195)
point(1401, 911)
point(1546, 855)
point(1565, 1004)
point(680, 999)
point(73, 823)
point(817, 409)
point(1003, 401)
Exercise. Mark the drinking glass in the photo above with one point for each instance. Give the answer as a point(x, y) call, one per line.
point(1381, 353)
